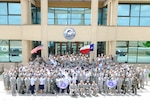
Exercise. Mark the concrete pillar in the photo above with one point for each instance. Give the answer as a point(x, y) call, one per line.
point(26, 11)
point(26, 19)
point(112, 21)
point(94, 27)
point(26, 49)
point(44, 22)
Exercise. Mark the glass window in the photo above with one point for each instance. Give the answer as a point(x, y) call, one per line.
point(123, 21)
point(123, 9)
point(145, 10)
point(87, 22)
point(144, 21)
point(14, 19)
point(76, 22)
point(15, 51)
point(132, 51)
point(134, 21)
point(68, 16)
point(14, 8)
point(51, 21)
point(87, 14)
point(3, 20)
point(121, 51)
point(135, 9)
point(3, 8)
point(4, 51)
point(143, 51)
point(62, 21)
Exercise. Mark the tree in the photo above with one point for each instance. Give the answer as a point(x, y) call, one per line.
point(147, 44)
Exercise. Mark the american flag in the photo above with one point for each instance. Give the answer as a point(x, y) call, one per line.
point(40, 47)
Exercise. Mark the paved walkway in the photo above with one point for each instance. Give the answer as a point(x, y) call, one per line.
point(141, 100)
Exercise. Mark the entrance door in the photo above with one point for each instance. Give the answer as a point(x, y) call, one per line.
point(68, 47)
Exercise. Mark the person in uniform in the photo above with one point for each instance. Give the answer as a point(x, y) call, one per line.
point(6, 79)
point(13, 84)
point(119, 84)
point(134, 84)
point(81, 88)
point(146, 75)
point(52, 85)
point(94, 88)
point(45, 84)
point(105, 84)
point(87, 88)
point(141, 78)
point(19, 83)
point(27, 84)
point(37, 83)
point(100, 84)
point(73, 89)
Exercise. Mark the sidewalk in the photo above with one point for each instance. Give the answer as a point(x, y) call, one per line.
point(142, 99)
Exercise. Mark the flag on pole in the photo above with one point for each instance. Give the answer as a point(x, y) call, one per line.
point(40, 47)
point(86, 49)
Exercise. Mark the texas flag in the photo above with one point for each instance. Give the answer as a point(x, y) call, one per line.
point(86, 49)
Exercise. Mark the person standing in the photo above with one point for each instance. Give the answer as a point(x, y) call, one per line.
point(146, 75)
point(32, 84)
point(27, 84)
point(94, 87)
point(13, 84)
point(134, 84)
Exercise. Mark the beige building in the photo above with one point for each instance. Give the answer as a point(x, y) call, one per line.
point(116, 27)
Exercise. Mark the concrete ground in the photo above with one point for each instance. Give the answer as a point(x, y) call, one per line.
point(140, 100)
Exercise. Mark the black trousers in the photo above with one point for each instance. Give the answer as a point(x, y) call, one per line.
point(32, 89)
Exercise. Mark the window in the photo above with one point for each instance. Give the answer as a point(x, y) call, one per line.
point(133, 51)
point(133, 14)
point(102, 16)
point(10, 13)
point(69, 16)
point(36, 15)
point(10, 51)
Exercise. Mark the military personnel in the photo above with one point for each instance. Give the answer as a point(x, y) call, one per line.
point(81, 88)
point(129, 85)
point(134, 84)
point(146, 75)
point(48, 84)
point(141, 78)
point(100, 84)
point(19, 83)
point(27, 83)
point(37, 83)
point(87, 88)
point(52, 85)
point(119, 84)
point(6, 80)
point(13, 84)
point(94, 88)
point(105, 84)
point(45, 84)
point(73, 89)
point(124, 85)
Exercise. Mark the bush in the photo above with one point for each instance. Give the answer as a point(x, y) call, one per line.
point(149, 75)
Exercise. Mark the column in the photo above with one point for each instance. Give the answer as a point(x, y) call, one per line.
point(26, 48)
point(112, 21)
point(94, 26)
point(44, 30)
point(26, 11)
point(26, 19)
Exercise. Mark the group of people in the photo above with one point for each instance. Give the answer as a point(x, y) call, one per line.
point(75, 75)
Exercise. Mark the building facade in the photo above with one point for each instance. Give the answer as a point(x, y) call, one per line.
point(117, 27)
